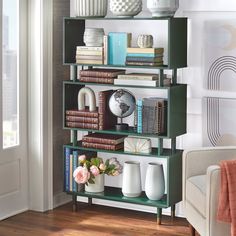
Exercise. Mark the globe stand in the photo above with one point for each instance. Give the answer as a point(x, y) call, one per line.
point(122, 126)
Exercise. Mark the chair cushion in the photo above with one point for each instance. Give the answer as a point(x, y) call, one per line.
point(196, 193)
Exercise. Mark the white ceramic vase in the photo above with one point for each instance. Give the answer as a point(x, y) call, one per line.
point(93, 37)
point(131, 184)
point(160, 8)
point(98, 186)
point(155, 182)
point(145, 41)
point(125, 8)
point(91, 8)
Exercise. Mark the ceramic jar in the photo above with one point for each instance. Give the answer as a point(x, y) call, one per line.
point(131, 184)
point(160, 8)
point(91, 8)
point(93, 37)
point(98, 186)
point(155, 182)
point(145, 41)
point(125, 8)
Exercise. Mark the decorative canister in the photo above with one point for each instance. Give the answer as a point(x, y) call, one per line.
point(154, 182)
point(160, 8)
point(145, 41)
point(91, 8)
point(93, 37)
point(98, 186)
point(131, 185)
point(125, 8)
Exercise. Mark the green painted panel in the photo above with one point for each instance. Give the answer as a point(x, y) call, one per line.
point(177, 105)
point(177, 45)
point(73, 32)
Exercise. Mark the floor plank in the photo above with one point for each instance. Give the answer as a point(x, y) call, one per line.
point(91, 221)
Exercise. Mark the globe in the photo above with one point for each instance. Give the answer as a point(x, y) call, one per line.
point(122, 103)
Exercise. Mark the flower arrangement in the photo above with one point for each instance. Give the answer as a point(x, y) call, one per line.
point(89, 168)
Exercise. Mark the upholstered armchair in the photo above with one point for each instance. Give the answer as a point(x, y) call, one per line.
point(201, 185)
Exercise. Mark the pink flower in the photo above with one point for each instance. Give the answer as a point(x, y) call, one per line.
point(94, 170)
point(82, 158)
point(81, 175)
point(102, 167)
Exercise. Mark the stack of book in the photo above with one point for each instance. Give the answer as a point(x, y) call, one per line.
point(89, 55)
point(83, 119)
point(139, 79)
point(144, 56)
point(110, 142)
point(151, 115)
point(100, 75)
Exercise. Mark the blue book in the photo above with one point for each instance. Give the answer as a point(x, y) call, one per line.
point(74, 166)
point(117, 47)
point(139, 116)
point(144, 55)
point(67, 168)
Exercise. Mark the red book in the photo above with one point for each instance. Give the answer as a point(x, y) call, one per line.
point(97, 80)
point(112, 139)
point(103, 146)
point(84, 113)
point(100, 72)
point(82, 119)
point(82, 125)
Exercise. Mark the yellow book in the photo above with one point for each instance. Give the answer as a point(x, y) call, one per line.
point(96, 62)
point(145, 50)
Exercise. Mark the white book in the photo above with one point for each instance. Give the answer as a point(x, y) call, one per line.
point(85, 48)
point(105, 45)
point(140, 76)
point(147, 83)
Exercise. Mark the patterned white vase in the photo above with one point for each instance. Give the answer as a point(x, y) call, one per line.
point(154, 182)
point(145, 41)
point(160, 8)
point(93, 37)
point(91, 8)
point(125, 8)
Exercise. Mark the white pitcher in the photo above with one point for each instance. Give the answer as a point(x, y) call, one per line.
point(131, 186)
point(154, 182)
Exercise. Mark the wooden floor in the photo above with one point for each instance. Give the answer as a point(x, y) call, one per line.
point(91, 221)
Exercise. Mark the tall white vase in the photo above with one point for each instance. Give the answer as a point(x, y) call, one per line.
point(155, 182)
point(160, 8)
point(131, 186)
point(98, 186)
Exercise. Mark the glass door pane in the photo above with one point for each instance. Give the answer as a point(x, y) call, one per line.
point(10, 73)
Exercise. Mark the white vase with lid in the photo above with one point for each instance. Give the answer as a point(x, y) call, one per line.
point(155, 182)
point(131, 184)
point(162, 8)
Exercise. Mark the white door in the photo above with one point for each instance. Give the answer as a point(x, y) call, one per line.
point(13, 108)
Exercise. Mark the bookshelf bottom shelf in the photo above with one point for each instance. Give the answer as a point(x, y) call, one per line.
point(115, 194)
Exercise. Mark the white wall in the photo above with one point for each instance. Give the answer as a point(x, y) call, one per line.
point(210, 15)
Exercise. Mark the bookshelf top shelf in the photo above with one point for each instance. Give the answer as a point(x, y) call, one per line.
point(123, 18)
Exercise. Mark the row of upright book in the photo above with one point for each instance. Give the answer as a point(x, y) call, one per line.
point(117, 50)
point(151, 115)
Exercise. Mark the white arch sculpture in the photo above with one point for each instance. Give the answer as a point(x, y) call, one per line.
point(91, 96)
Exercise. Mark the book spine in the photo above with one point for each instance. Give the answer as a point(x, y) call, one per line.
point(102, 146)
point(105, 49)
point(145, 50)
point(99, 140)
point(97, 80)
point(82, 125)
point(152, 83)
point(89, 57)
point(70, 172)
point(144, 59)
point(81, 113)
point(151, 55)
point(139, 116)
point(132, 63)
point(103, 74)
point(96, 62)
point(75, 164)
point(84, 48)
point(82, 119)
point(67, 168)
point(89, 53)
point(138, 77)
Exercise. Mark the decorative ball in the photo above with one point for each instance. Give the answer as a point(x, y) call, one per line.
point(122, 103)
point(145, 41)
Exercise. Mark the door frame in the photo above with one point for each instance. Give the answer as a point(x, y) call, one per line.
point(40, 104)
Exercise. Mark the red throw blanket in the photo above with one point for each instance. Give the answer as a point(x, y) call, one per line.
point(227, 199)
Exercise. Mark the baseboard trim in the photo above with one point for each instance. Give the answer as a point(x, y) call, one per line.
point(14, 213)
point(61, 199)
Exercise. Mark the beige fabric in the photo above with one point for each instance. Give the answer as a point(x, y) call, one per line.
point(196, 193)
point(196, 164)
